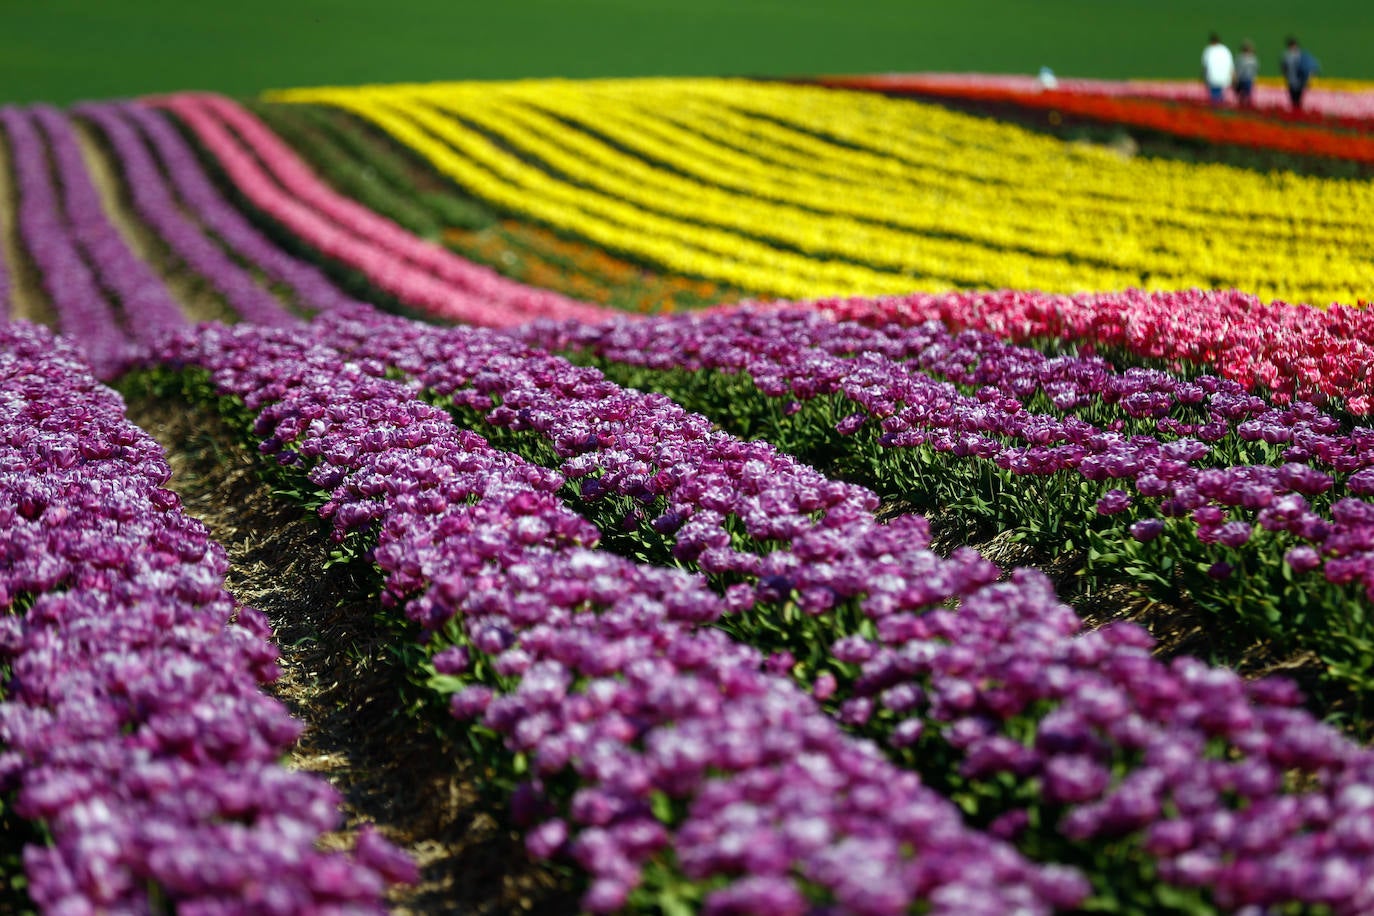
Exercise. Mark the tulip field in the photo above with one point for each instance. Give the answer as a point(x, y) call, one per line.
point(736, 496)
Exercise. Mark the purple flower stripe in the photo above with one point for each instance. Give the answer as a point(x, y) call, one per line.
point(83, 313)
point(973, 674)
point(599, 671)
point(132, 726)
point(970, 358)
point(787, 358)
point(4, 283)
point(198, 195)
point(148, 308)
point(157, 207)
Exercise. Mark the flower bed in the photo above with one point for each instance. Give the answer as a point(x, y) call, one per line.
point(82, 310)
point(985, 692)
point(157, 206)
point(735, 181)
point(638, 732)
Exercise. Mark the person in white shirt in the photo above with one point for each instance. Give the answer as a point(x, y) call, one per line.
point(1218, 68)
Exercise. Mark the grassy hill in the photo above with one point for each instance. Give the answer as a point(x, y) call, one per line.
point(64, 50)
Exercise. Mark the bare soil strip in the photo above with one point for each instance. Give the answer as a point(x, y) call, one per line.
point(384, 758)
point(27, 299)
point(192, 292)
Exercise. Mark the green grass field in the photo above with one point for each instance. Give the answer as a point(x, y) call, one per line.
point(65, 50)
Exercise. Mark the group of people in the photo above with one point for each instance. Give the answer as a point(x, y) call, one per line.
point(1221, 71)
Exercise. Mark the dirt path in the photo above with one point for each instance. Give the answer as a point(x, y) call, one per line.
point(27, 299)
point(196, 297)
point(338, 677)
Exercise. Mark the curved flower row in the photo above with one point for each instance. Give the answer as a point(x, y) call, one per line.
point(1041, 400)
point(693, 215)
point(933, 157)
point(915, 229)
point(698, 142)
point(132, 726)
point(142, 297)
point(1027, 169)
point(82, 310)
point(785, 215)
point(589, 668)
point(1186, 764)
point(722, 503)
point(382, 176)
point(418, 272)
point(157, 206)
point(487, 170)
point(1010, 659)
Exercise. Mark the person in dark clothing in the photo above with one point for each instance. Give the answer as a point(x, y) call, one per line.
point(1298, 68)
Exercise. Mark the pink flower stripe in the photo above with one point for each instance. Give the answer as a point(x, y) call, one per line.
point(1292, 351)
point(417, 272)
point(296, 175)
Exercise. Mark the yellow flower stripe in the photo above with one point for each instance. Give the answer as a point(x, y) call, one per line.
point(802, 191)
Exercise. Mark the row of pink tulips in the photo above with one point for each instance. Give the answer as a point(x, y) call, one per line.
point(417, 272)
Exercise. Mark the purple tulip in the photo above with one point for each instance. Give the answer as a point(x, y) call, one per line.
point(1147, 529)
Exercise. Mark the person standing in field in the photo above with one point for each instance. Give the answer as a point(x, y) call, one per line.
point(1298, 68)
point(1247, 70)
point(1218, 68)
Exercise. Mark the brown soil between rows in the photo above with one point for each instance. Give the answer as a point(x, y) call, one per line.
point(362, 735)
